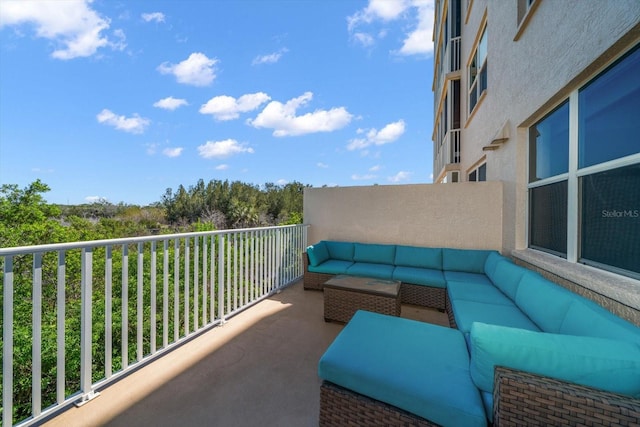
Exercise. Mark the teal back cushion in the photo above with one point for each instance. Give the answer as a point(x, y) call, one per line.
point(374, 253)
point(589, 319)
point(340, 250)
point(318, 253)
point(493, 259)
point(466, 260)
point(545, 302)
point(609, 365)
point(418, 257)
point(507, 276)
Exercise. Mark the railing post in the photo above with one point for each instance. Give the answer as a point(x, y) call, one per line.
point(86, 363)
point(36, 331)
point(221, 279)
point(7, 344)
point(60, 327)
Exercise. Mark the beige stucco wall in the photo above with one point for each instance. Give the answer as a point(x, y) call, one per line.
point(465, 215)
point(564, 44)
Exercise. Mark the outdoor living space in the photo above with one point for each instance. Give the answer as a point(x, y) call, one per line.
point(260, 368)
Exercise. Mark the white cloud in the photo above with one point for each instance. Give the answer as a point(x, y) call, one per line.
point(75, 28)
point(415, 14)
point(418, 41)
point(375, 168)
point(386, 10)
point(400, 177)
point(271, 58)
point(283, 120)
point(172, 152)
point(282, 182)
point(228, 108)
point(135, 124)
point(222, 167)
point(387, 134)
point(222, 149)
point(322, 165)
point(170, 103)
point(364, 39)
point(196, 70)
point(153, 16)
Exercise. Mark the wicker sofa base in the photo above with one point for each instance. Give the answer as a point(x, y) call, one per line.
point(341, 304)
point(521, 398)
point(424, 296)
point(342, 407)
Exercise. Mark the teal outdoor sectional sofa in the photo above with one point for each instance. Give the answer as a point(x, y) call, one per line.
point(521, 349)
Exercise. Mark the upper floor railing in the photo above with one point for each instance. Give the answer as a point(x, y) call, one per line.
point(450, 61)
point(448, 152)
point(78, 315)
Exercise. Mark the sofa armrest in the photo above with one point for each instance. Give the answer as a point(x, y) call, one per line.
point(310, 279)
point(521, 397)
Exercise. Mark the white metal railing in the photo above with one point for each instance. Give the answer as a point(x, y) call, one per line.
point(448, 151)
point(449, 63)
point(179, 286)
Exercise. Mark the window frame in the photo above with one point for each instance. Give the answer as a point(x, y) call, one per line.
point(476, 171)
point(525, 10)
point(476, 67)
point(575, 173)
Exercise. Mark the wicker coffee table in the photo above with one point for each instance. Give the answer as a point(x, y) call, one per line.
point(344, 295)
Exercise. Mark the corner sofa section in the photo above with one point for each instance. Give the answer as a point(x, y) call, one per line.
point(421, 270)
point(520, 347)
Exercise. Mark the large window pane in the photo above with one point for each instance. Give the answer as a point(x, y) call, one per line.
point(611, 218)
point(548, 218)
point(549, 145)
point(610, 113)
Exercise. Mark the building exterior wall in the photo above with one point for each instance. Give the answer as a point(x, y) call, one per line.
point(532, 68)
point(467, 216)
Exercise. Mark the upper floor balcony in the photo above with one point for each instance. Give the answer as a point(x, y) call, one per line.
point(447, 153)
point(447, 66)
point(210, 328)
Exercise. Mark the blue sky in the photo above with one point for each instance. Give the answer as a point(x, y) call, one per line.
point(120, 100)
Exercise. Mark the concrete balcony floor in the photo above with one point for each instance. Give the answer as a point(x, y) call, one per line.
point(259, 369)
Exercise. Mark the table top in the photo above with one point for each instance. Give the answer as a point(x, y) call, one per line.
point(365, 284)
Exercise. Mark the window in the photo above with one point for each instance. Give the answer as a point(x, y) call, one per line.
point(523, 8)
point(478, 71)
point(610, 218)
point(588, 208)
point(479, 173)
point(610, 114)
point(548, 218)
point(526, 8)
point(549, 145)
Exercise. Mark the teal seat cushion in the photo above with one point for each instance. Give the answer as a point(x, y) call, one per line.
point(419, 257)
point(589, 319)
point(545, 302)
point(332, 266)
point(420, 276)
point(467, 260)
point(471, 278)
point(468, 312)
point(374, 253)
point(415, 366)
point(340, 250)
point(605, 364)
point(379, 271)
point(506, 277)
point(493, 259)
point(317, 253)
point(477, 292)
